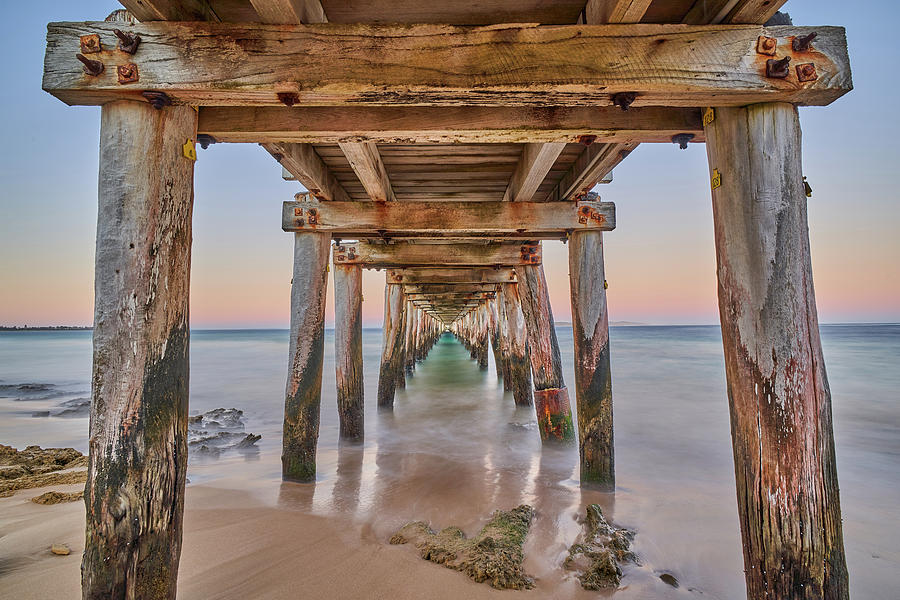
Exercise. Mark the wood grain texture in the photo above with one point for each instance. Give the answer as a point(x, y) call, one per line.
point(171, 10)
point(494, 334)
point(348, 359)
point(306, 354)
point(307, 167)
point(134, 496)
point(289, 12)
point(787, 488)
point(593, 165)
point(450, 275)
point(463, 12)
point(366, 163)
point(405, 254)
point(447, 124)
point(503, 65)
point(392, 342)
point(537, 160)
point(552, 406)
point(523, 220)
point(593, 379)
point(615, 11)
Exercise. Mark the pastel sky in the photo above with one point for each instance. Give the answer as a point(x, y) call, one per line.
point(660, 261)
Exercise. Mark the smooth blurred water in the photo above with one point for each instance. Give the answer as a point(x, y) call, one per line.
point(455, 447)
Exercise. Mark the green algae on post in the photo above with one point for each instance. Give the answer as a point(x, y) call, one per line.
point(494, 555)
point(603, 549)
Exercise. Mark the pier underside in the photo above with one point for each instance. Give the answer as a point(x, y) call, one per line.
point(441, 143)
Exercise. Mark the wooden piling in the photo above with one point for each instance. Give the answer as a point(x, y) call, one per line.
point(787, 487)
point(494, 331)
point(348, 349)
point(517, 335)
point(551, 399)
point(503, 338)
point(134, 496)
point(593, 381)
point(307, 348)
point(392, 342)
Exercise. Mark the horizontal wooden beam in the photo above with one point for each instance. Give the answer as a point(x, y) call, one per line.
point(366, 162)
point(446, 275)
point(407, 254)
point(519, 220)
point(448, 124)
point(536, 161)
point(207, 64)
point(442, 288)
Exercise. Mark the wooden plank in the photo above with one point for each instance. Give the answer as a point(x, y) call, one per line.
point(592, 166)
point(304, 164)
point(523, 220)
point(537, 160)
point(443, 275)
point(447, 124)
point(366, 163)
point(732, 11)
point(139, 402)
point(514, 65)
point(289, 12)
point(615, 11)
point(392, 336)
point(441, 288)
point(405, 254)
point(348, 350)
point(170, 10)
point(462, 12)
point(778, 395)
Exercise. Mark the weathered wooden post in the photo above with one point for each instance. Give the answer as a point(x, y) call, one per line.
point(410, 338)
point(781, 426)
point(348, 349)
point(307, 348)
point(400, 373)
point(482, 334)
point(392, 342)
point(517, 335)
point(551, 399)
point(593, 381)
point(134, 496)
point(494, 330)
point(503, 337)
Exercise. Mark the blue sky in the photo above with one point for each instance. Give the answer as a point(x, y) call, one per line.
point(660, 260)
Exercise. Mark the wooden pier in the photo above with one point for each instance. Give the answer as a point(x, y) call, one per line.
point(442, 143)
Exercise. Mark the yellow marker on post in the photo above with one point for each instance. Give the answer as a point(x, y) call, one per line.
point(716, 179)
point(709, 115)
point(189, 150)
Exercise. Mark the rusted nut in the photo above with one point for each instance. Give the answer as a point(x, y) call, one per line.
point(587, 140)
point(127, 73)
point(682, 139)
point(624, 99)
point(298, 212)
point(157, 99)
point(298, 222)
point(802, 43)
point(288, 98)
point(766, 45)
point(778, 69)
point(91, 67)
point(204, 139)
point(807, 72)
point(312, 216)
point(127, 42)
point(90, 44)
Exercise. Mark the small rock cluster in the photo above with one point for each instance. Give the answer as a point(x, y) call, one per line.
point(598, 556)
point(38, 467)
point(219, 430)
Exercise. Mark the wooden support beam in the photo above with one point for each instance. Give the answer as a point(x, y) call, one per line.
point(536, 161)
point(448, 275)
point(732, 11)
point(170, 10)
point(369, 168)
point(139, 399)
point(447, 124)
point(405, 254)
point(522, 220)
point(517, 334)
point(392, 344)
point(449, 288)
point(593, 164)
point(494, 334)
point(511, 65)
point(348, 350)
point(551, 398)
point(593, 379)
point(289, 12)
point(307, 348)
point(307, 167)
point(780, 403)
point(615, 11)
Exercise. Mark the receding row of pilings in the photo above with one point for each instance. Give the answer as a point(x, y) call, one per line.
point(777, 388)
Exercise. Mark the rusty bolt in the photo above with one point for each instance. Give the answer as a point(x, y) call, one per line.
point(682, 139)
point(802, 43)
point(127, 42)
point(128, 73)
point(766, 45)
point(204, 139)
point(298, 211)
point(587, 140)
point(807, 72)
point(277, 156)
point(90, 43)
point(298, 222)
point(288, 98)
point(91, 67)
point(624, 99)
point(157, 99)
point(778, 69)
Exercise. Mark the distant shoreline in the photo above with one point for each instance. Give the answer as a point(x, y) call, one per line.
point(47, 328)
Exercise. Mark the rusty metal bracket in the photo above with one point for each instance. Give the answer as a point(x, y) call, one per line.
point(157, 99)
point(587, 213)
point(624, 99)
point(345, 253)
point(682, 139)
point(766, 45)
point(128, 42)
point(127, 73)
point(91, 67)
point(530, 254)
point(803, 43)
point(204, 139)
point(90, 44)
point(778, 69)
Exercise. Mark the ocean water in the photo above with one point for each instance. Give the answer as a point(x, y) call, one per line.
point(455, 447)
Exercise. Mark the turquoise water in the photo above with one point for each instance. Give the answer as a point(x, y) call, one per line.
point(456, 447)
